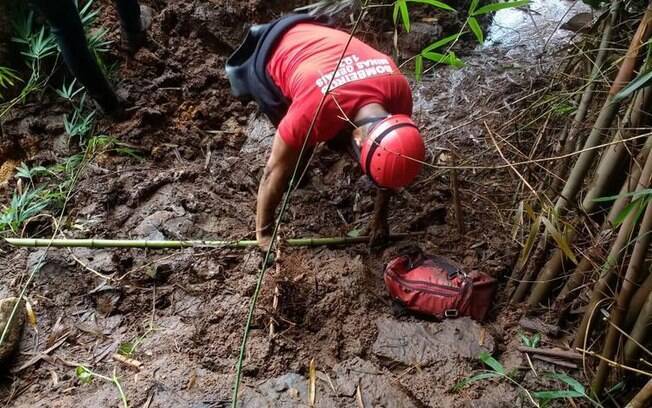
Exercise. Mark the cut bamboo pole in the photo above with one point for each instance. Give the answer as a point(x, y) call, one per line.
point(643, 399)
point(607, 114)
point(639, 332)
point(622, 300)
point(601, 289)
point(126, 243)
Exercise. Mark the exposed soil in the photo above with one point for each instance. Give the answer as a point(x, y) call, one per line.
point(203, 156)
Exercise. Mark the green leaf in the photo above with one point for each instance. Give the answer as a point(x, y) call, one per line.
point(354, 233)
point(640, 82)
point(560, 239)
point(84, 375)
point(489, 8)
point(126, 349)
point(473, 7)
point(491, 362)
point(418, 67)
point(441, 43)
point(638, 204)
point(477, 30)
point(572, 382)
point(435, 3)
point(549, 395)
point(475, 378)
point(647, 191)
point(449, 59)
point(397, 6)
point(405, 16)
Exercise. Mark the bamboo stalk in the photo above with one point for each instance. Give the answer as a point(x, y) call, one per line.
point(126, 243)
point(643, 398)
point(622, 301)
point(611, 166)
point(601, 289)
point(639, 332)
point(638, 300)
point(586, 264)
point(613, 160)
point(607, 114)
point(587, 95)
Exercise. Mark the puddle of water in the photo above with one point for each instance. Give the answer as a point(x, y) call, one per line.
point(531, 29)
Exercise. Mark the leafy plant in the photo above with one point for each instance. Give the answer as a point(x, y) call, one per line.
point(22, 207)
point(86, 376)
point(78, 124)
point(531, 342)
point(8, 77)
point(576, 390)
point(401, 8)
point(69, 92)
point(475, 12)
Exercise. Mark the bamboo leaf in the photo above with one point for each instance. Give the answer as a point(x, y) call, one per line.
point(560, 239)
point(630, 194)
point(549, 395)
point(572, 382)
point(442, 42)
point(489, 8)
point(418, 67)
point(491, 362)
point(529, 243)
point(475, 378)
point(401, 7)
point(449, 59)
point(477, 30)
point(395, 11)
point(638, 204)
point(640, 82)
point(473, 7)
point(435, 3)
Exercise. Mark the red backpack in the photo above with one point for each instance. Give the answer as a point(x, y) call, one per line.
point(436, 286)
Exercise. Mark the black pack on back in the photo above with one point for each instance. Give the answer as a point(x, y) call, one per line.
point(246, 68)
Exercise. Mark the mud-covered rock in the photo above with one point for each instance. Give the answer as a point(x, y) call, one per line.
point(423, 344)
point(12, 338)
point(377, 387)
point(289, 390)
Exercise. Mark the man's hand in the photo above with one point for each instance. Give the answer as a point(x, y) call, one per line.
point(378, 230)
point(264, 240)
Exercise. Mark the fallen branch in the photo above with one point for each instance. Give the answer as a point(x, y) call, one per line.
point(563, 354)
point(555, 361)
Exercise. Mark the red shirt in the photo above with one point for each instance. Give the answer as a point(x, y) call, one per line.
point(301, 66)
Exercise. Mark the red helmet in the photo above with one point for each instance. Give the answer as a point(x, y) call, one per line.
point(391, 155)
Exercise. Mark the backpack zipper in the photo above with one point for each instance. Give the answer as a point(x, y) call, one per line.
point(425, 286)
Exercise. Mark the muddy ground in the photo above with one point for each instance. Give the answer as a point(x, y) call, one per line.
point(203, 154)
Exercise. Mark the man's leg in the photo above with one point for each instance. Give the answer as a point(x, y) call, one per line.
point(134, 21)
point(63, 17)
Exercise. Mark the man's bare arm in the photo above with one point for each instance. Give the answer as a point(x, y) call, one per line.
point(273, 184)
